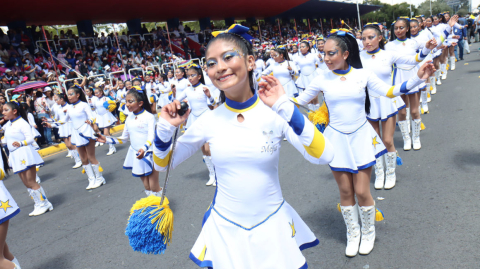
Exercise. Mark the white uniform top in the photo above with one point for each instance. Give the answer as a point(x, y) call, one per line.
point(140, 127)
point(197, 99)
point(213, 90)
point(149, 86)
point(381, 62)
point(164, 87)
point(407, 47)
point(259, 66)
point(307, 63)
point(345, 99)
point(17, 130)
point(322, 65)
point(281, 72)
point(79, 113)
point(91, 102)
point(31, 120)
point(181, 86)
point(60, 113)
point(246, 154)
point(121, 94)
point(360, 44)
point(295, 55)
point(269, 62)
point(98, 103)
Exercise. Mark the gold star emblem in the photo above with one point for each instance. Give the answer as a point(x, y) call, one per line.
point(375, 142)
point(24, 162)
point(5, 205)
point(292, 225)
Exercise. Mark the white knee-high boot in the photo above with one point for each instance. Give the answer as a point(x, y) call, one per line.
point(407, 141)
point(390, 177)
point(350, 216)
point(111, 149)
point(424, 101)
point(90, 174)
point(99, 179)
point(42, 204)
point(76, 158)
point(452, 63)
point(367, 216)
point(433, 84)
point(211, 170)
point(443, 68)
point(416, 134)
point(379, 174)
point(69, 154)
point(437, 76)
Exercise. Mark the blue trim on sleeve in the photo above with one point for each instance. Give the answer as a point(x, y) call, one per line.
point(159, 144)
point(297, 122)
point(446, 33)
point(421, 55)
point(10, 216)
point(199, 262)
point(403, 88)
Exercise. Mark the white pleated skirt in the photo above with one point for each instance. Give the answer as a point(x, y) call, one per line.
point(105, 120)
point(140, 167)
point(355, 151)
point(24, 158)
point(382, 108)
point(82, 136)
point(35, 133)
point(10, 206)
point(64, 131)
point(304, 80)
point(274, 243)
point(290, 88)
point(400, 76)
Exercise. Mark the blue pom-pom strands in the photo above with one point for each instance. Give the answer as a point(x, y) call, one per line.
point(150, 225)
point(399, 160)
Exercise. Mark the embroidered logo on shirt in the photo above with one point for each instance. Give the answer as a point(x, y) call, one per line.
point(375, 142)
point(269, 147)
point(292, 225)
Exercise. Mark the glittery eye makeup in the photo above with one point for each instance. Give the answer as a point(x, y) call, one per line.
point(372, 37)
point(211, 63)
point(332, 53)
point(227, 56)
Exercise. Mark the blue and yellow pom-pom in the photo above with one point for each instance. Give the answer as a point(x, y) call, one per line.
point(399, 160)
point(110, 105)
point(320, 117)
point(422, 126)
point(379, 215)
point(153, 99)
point(150, 225)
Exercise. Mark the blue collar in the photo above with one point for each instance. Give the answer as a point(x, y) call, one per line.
point(141, 111)
point(306, 53)
point(14, 120)
point(416, 34)
point(402, 40)
point(342, 72)
point(282, 62)
point(76, 102)
point(180, 79)
point(241, 107)
point(373, 51)
point(63, 104)
point(196, 84)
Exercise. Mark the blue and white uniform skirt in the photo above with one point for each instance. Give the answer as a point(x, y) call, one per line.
point(24, 158)
point(382, 108)
point(10, 206)
point(304, 80)
point(401, 75)
point(275, 243)
point(105, 120)
point(140, 167)
point(35, 133)
point(290, 89)
point(82, 136)
point(192, 118)
point(355, 151)
point(65, 131)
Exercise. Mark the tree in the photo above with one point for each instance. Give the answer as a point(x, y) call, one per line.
point(388, 13)
point(438, 6)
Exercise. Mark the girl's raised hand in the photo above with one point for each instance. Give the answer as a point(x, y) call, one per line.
point(170, 113)
point(270, 90)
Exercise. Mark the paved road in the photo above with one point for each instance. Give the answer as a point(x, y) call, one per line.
point(431, 215)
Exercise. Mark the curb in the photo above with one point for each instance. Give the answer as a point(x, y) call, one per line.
point(61, 147)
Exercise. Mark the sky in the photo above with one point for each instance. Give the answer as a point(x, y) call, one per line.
point(475, 3)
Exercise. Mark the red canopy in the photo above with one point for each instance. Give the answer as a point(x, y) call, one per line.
point(30, 85)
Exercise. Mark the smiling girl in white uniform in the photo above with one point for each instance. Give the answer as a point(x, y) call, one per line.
point(283, 69)
point(248, 224)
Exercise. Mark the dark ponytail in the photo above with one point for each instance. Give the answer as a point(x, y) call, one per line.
point(140, 96)
point(14, 105)
point(283, 51)
point(349, 43)
point(6, 165)
point(244, 46)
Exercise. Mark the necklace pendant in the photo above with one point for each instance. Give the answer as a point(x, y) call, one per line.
point(343, 78)
point(373, 56)
point(403, 44)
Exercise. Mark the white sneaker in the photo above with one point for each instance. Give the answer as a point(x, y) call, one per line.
point(367, 216)
point(379, 174)
point(350, 216)
point(111, 150)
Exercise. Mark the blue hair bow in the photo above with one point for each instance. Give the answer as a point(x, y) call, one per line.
point(236, 29)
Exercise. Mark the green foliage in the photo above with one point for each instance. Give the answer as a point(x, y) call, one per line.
point(438, 6)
